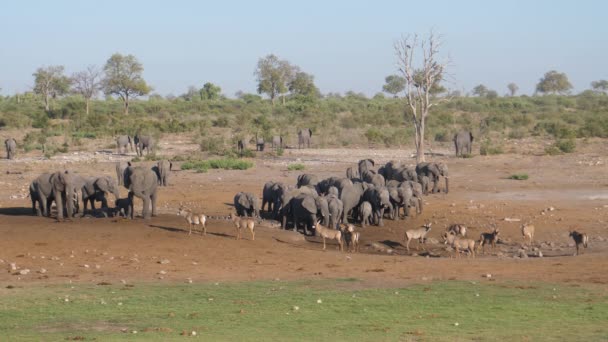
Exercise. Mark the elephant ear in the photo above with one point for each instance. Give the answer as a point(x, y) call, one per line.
point(309, 204)
point(102, 184)
point(471, 135)
point(310, 132)
point(170, 166)
point(372, 161)
point(243, 201)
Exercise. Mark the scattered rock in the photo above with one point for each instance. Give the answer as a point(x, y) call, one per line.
point(24, 271)
point(164, 261)
point(521, 253)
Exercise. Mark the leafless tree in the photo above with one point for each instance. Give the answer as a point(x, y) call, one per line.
point(421, 79)
point(87, 83)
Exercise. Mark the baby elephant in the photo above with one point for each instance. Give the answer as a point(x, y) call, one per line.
point(123, 207)
point(579, 239)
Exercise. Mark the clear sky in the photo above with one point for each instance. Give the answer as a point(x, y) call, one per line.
point(346, 45)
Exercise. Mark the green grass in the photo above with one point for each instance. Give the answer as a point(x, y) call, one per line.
point(226, 164)
point(296, 167)
point(265, 311)
point(519, 176)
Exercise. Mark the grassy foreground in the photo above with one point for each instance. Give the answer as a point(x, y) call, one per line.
point(326, 310)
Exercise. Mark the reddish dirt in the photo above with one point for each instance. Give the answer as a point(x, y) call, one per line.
point(95, 250)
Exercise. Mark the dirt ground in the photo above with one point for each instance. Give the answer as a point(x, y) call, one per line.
point(95, 250)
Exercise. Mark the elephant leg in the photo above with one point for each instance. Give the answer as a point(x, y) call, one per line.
point(42, 204)
point(381, 221)
point(153, 199)
point(59, 204)
point(146, 210)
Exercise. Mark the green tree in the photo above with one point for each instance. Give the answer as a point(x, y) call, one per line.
point(600, 86)
point(273, 76)
point(554, 83)
point(491, 94)
point(394, 85)
point(191, 94)
point(210, 91)
point(50, 82)
point(124, 78)
point(480, 90)
point(303, 84)
point(87, 83)
point(513, 88)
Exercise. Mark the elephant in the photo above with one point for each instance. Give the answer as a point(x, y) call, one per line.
point(324, 186)
point(372, 177)
point(417, 191)
point(351, 197)
point(120, 171)
point(424, 183)
point(304, 137)
point(365, 165)
point(402, 196)
point(259, 144)
point(333, 191)
point(388, 170)
point(143, 142)
point(353, 173)
point(305, 207)
point(123, 207)
point(379, 198)
point(11, 147)
point(58, 186)
point(44, 206)
point(96, 189)
point(246, 204)
point(241, 145)
point(142, 183)
point(335, 207)
point(277, 141)
point(271, 194)
point(463, 142)
point(123, 142)
point(163, 171)
point(365, 213)
point(307, 179)
point(403, 174)
point(433, 171)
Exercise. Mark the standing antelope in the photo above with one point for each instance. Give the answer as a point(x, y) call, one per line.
point(459, 243)
point(527, 231)
point(418, 233)
point(488, 238)
point(193, 219)
point(327, 233)
point(241, 223)
point(351, 236)
point(579, 238)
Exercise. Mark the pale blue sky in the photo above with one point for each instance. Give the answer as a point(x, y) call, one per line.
point(346, 45)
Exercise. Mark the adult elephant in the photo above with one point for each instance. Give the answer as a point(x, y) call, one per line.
point(143, 142)
point(402, 196)
point(353, 173)
point(304, 137)
point(434, 171)
point(366, 165)
point(96, 189)
point(335, 207)
point(373, 178)
point(306, 208)
point(11, 147)
point(463, 142)
point(389, 169)
point(120, 171)
point(404, 174)
point(351, 197)
point(246, 204)
point(259, 144)
point(58, 186)
point(271, 196)
point(379, 198)
point(123, 142)
point(142, 183)
point(277, 141)
point(163, 171)
point(307, 179)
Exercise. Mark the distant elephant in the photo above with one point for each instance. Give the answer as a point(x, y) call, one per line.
point(304, 137)
point(259, 144)
point(143, 142)
point(277, 141)
point(246, 204)
point(463, 142)
point(58, 186)
point(163, 171)
point(120, 171)
point(11, 148)
point(305, 208)
point(241, 145)
point(379, 198)
point(123, 142)
point(373, 178)
point(402, 197)
point(142, 183)
point(352, 173)
point(307, 179)
point(365, 213)
point(403, 174)
point(324, 186)
point(366, 165)
point(351, 197)
point(335, 207)
point(389, 169)
point(271, 195)
point(96, 189)
point(434, 171)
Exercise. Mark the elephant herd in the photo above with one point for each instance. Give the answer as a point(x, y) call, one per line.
point(66, 188)
point(304, 140)
point(365, 195)
point(142, 142)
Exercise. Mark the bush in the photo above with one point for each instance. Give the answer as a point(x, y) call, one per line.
point(226, 164)
point(487, 148)
point(566, 145)
point(296, 167)
point(519, 176)
point(280, 151)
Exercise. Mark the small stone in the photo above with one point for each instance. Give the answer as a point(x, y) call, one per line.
point(42, 270)
point(456, 324)
point(13, 266)
point(319, 301)
point(488, 275)
point(296, 308)
point(24, 271)
point(119, 303)
point(162, 272)
point(164, 261)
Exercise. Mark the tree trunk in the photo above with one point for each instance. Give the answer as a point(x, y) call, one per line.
point(87, 105)
point(127, 104)
point(47, 107)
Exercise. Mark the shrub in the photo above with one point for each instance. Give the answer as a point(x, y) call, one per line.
point(280, 151)
point(296, 167)
point(566, 145)
point(519, 176)
point(226, 164)
point(487, 148)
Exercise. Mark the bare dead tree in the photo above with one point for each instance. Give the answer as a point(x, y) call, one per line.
point(421, 81)
point(87, 83)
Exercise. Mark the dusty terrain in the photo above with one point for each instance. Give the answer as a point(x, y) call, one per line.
point(94, 250)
